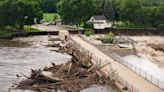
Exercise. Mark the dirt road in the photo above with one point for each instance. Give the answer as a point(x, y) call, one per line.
point(54, 27)
point(131, 77)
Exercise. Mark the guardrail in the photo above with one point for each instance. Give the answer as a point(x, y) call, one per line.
point(127, 85)
point(139, 71)
point(108, 68)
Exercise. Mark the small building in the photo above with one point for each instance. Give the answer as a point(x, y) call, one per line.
point(100, 22)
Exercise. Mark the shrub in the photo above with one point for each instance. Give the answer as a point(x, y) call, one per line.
point(108, 38)
point(89, 26)
point(56, 17)
point(89, 33)
point(9, 28)
point(29, 29)
point(161, 26)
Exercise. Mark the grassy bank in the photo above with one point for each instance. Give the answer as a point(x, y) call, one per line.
point(128, 25)
point(49, 16)
point(10, 31)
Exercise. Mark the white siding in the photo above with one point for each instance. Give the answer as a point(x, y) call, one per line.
point(108, 24)
point(99, 26)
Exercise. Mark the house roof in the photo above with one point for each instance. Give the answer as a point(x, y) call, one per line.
point(99, 17)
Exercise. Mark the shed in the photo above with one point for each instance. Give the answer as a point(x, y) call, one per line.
point(99, 22)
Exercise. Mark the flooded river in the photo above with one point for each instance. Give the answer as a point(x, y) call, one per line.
point(20, 55)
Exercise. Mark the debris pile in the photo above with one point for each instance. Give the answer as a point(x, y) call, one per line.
point(75, 75)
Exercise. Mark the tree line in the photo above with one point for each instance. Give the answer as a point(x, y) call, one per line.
point(19, 13)
point(149, 13)
point(48, 6)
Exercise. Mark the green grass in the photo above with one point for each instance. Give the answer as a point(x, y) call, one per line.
point(128, 25)
point(49, 16)
point(4, 31)
point(29, 29)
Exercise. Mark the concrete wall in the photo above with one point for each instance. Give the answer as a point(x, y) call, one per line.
point(132, 32)
point(99, 26)
point(115, 49)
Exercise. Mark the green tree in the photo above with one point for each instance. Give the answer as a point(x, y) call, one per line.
point(150, 2)
point(78, 11)
point(160, 14)
point(116, 8)
point(130, 11)
point(149, 16)
point(48, 6)
point(108, 10)
point(19, 12)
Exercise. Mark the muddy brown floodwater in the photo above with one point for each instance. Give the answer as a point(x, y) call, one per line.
point(20, 55)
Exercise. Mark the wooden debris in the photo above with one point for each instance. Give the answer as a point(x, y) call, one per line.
point(69, 68)
point(48, 76)
point(103, 66)
point(73, 76)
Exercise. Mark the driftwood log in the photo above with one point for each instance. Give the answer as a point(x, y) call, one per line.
point(77, 74)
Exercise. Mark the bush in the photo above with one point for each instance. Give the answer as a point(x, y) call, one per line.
point(56, 17)
point(161, 26)
point(9, 28)
point(108, 38)
point(89, 33)
point(29, 29)
point(89, 26)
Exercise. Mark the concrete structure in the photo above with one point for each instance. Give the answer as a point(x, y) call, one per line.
point(131, 77)
point(63, 34)
point(99, 22)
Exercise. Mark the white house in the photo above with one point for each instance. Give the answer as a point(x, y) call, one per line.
point(99, 22)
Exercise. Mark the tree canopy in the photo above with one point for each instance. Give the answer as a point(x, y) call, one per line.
point(108, 10)
point(77, 11)
point(19, 12)
point(137, 12)
point(48, 6)
point(149, 13)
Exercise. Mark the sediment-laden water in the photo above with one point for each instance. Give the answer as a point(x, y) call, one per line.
point(22, 54)
point(147, 68)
